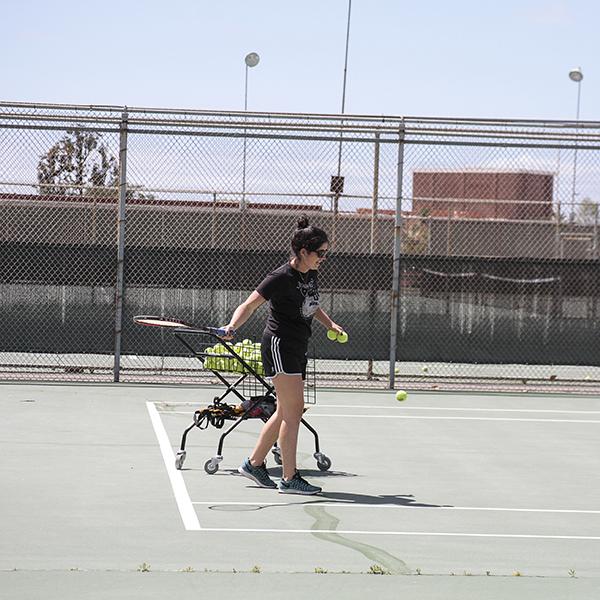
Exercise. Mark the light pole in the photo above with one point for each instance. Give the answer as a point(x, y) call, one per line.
point(251, 60)
point(337, 181)
point(575, 75)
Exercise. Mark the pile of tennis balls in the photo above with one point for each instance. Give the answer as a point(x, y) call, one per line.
point(334, 336)
point(218, 358)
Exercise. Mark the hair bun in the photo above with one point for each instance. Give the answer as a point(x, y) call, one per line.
point(303, 222)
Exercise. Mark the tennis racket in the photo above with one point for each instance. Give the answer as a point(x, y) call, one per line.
point(177, 325)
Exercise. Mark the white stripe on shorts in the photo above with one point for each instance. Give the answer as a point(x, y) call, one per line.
point(277, 362)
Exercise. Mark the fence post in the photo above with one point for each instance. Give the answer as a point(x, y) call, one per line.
point(595, 247)
point(374, 204)
point(120, 243)
point(397, 255)
point(374, 210)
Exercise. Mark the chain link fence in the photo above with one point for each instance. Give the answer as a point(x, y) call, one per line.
point(464, 252)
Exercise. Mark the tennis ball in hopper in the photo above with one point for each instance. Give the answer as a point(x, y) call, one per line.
point(342, 338)
point(332, 334)
point(401, 395)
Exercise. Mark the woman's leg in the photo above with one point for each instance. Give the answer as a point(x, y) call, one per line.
point(267, 438)
point(290, 393)
point(290, 404)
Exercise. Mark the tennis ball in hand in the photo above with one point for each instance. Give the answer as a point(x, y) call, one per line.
point(332, 335)
point(401, 395)
point(342, 338)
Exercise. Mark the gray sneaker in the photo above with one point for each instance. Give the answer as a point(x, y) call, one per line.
point(259, 474)
point(298, 485)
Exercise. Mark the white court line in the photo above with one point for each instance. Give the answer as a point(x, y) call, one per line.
point(408, 533)
point(186, 509)
point(400, 506)
point(445, 408)
point(312, 415)
point(509, 410)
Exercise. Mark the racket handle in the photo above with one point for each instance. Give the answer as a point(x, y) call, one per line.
point(220, 331)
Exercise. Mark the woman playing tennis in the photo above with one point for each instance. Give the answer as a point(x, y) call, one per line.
point(293, 296)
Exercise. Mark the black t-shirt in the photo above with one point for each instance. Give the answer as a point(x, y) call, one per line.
point(293, 300)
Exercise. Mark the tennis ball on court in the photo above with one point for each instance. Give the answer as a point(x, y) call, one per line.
point(342, 338)
point(401, 395)
point(332, 334)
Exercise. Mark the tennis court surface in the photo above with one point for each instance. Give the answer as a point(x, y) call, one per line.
point(446, 495)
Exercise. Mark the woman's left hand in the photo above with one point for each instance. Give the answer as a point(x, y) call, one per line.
point(337, 328)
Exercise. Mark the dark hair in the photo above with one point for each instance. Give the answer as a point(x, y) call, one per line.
point(307, 236)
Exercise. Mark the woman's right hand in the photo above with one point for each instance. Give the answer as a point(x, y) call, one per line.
point(229, 332)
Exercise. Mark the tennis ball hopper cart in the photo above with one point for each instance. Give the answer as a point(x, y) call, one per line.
point(239, 368)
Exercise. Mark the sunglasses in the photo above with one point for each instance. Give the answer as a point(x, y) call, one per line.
point(321, 253)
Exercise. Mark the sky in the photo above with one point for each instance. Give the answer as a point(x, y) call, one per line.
point(434, 58)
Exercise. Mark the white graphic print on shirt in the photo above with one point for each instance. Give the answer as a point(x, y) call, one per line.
point(311, 298)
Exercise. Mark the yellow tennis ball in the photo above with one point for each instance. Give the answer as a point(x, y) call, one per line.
point(401, 395)
point(332, 334)
point(342, 338)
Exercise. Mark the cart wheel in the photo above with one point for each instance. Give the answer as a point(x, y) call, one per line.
point(324, 464)
point(277, 457)
point(180, 460)
point(211, 467)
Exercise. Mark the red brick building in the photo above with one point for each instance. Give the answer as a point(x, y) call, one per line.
point(511, 195)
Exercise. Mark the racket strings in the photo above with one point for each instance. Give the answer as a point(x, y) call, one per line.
point(216, 415)
point(258, 407)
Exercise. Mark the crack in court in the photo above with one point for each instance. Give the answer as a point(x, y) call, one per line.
point(323, 520)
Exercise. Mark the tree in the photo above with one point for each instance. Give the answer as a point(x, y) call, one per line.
point(76, 164)
point(415, 238)
point(587, 212)
point(81, 164)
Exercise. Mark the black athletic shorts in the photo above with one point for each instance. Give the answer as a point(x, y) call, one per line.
point(281, 356)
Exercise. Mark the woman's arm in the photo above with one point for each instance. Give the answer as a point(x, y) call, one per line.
point(324, 319)
point(244, 311)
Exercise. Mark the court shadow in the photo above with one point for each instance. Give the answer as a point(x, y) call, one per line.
point(407, 500)
point(329, 498)
point(277, 472)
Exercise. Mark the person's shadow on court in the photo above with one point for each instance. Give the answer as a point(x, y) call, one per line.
point(348, 498)
point(387, 499)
